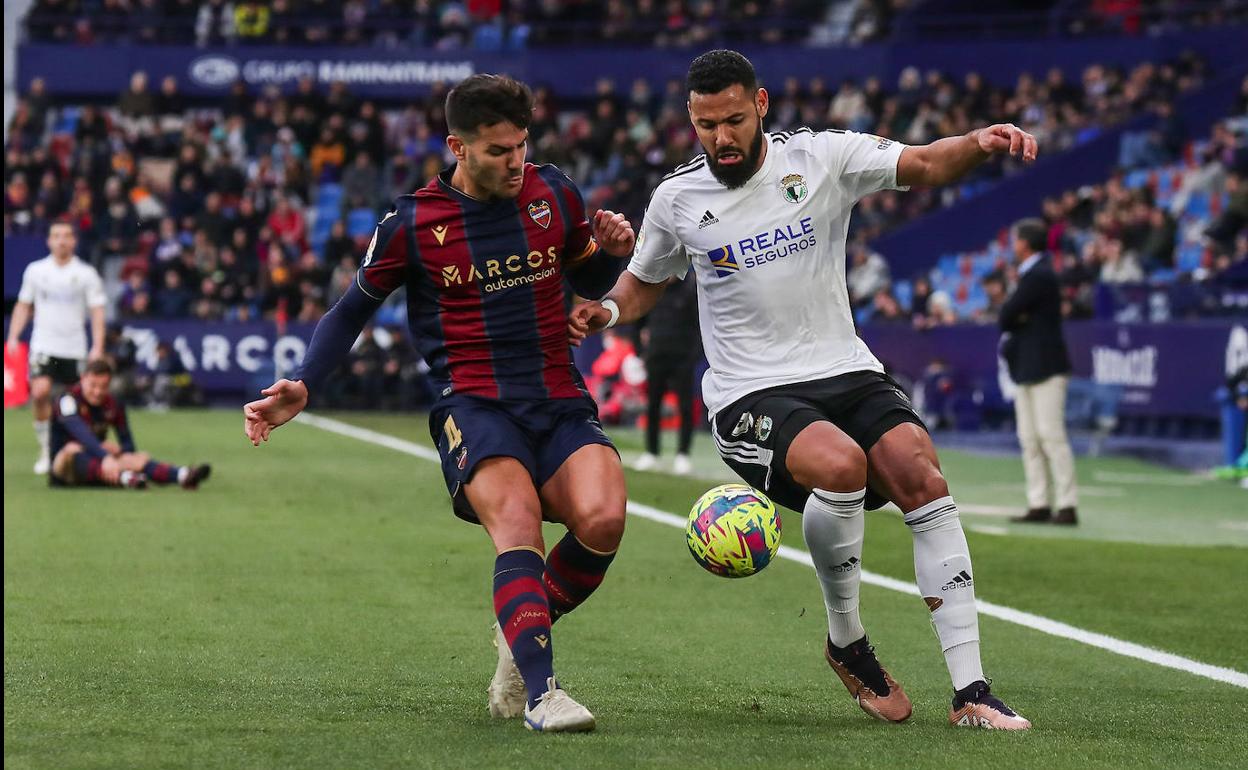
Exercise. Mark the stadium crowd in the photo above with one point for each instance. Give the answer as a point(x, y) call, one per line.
point(461, 24)
point(1182, 223)
point(259, 204)
point(517, 24)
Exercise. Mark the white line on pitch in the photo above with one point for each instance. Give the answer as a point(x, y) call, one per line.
point(984, 530)
point(1008, 614)
point(1165, 480)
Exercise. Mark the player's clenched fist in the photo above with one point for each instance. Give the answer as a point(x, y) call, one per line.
point(614, 233)
point(585, 319)
point(282, 401)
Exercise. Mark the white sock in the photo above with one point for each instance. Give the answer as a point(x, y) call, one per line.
point(833, 524)
point(42, 431)
point(942, 569)
point(185, 469)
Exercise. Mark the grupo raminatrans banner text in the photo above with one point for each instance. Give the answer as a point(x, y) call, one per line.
point(105, 69)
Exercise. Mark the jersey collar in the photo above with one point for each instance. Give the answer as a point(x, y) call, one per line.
point(444, 183)
point(769, 160)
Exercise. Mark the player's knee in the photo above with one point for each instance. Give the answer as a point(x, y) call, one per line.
point(920, 488)
point(40, 388)
point(139, 459)
point(836, 470)
point(514, 526)
point(63, 463)
point(603, 528)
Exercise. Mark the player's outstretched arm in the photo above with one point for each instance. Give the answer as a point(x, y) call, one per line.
point(633, 297)
point(948, 160)
point(335, 333)
point(282, 401)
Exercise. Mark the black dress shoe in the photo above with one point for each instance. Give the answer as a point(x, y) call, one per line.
point(1066, 516)
point(1035, 516)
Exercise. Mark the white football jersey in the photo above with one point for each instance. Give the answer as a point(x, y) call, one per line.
point(769, 258)
point(61, 295)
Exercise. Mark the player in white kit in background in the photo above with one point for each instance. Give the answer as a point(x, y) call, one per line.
point(799, 406)
point(61, 290)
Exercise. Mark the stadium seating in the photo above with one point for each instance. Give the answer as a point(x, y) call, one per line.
point(1188, 190)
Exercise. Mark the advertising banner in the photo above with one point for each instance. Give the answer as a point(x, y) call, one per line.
point(1170, 369)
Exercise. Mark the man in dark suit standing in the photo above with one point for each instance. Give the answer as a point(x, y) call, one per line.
point(673, 349)
point(1035, 353)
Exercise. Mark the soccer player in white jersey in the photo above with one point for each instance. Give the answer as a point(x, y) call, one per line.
point(800, 407)
point(62, 290)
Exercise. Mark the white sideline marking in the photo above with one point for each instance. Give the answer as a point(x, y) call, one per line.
point(1085, 490)
point(1165, 480)
point(1008, 614)
point(371, 436)
point(990, 530)
point(990, 510)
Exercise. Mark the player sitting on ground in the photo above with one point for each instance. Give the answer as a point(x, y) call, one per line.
point(483, 250)
point(81, 455)
point(800, 407)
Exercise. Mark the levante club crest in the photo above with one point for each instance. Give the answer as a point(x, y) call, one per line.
point(793, 188)
point(540, 211)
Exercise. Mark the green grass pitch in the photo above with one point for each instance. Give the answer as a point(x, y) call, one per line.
point(317, 605)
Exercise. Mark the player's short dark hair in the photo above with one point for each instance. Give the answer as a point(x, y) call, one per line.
point(99, 366)
point(1033, 232)
point(714, 71)
point(484, 100)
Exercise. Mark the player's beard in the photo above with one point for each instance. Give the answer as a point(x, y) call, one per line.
point(494, 183)
point(737, 174)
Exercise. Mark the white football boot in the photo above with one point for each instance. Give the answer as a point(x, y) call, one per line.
point(556, 712)
point(507, 694)
point(646, 462)
point(683, 466)
point(43, 465)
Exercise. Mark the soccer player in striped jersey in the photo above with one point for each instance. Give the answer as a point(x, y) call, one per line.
point(81, 453)
point(483, 251)
point(799, 406)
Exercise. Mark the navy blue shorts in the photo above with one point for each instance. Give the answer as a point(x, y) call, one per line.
point(540, 434)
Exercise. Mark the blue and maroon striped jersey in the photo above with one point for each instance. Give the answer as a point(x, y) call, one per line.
point(484, 281)
point(110, 414)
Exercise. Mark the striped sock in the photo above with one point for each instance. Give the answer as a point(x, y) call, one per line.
point(524, 615)
point(161, 473)
point(573, 571)
point(87, 468)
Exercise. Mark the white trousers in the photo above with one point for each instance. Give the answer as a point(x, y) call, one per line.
point(1040, 411)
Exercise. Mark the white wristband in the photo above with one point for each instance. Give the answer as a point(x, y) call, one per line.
point(614, 309)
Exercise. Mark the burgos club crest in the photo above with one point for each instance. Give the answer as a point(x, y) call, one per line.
point(540, 211)
point(793, 188)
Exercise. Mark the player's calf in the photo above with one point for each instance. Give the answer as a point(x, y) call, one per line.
point(524, 616)
point(573, 572)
